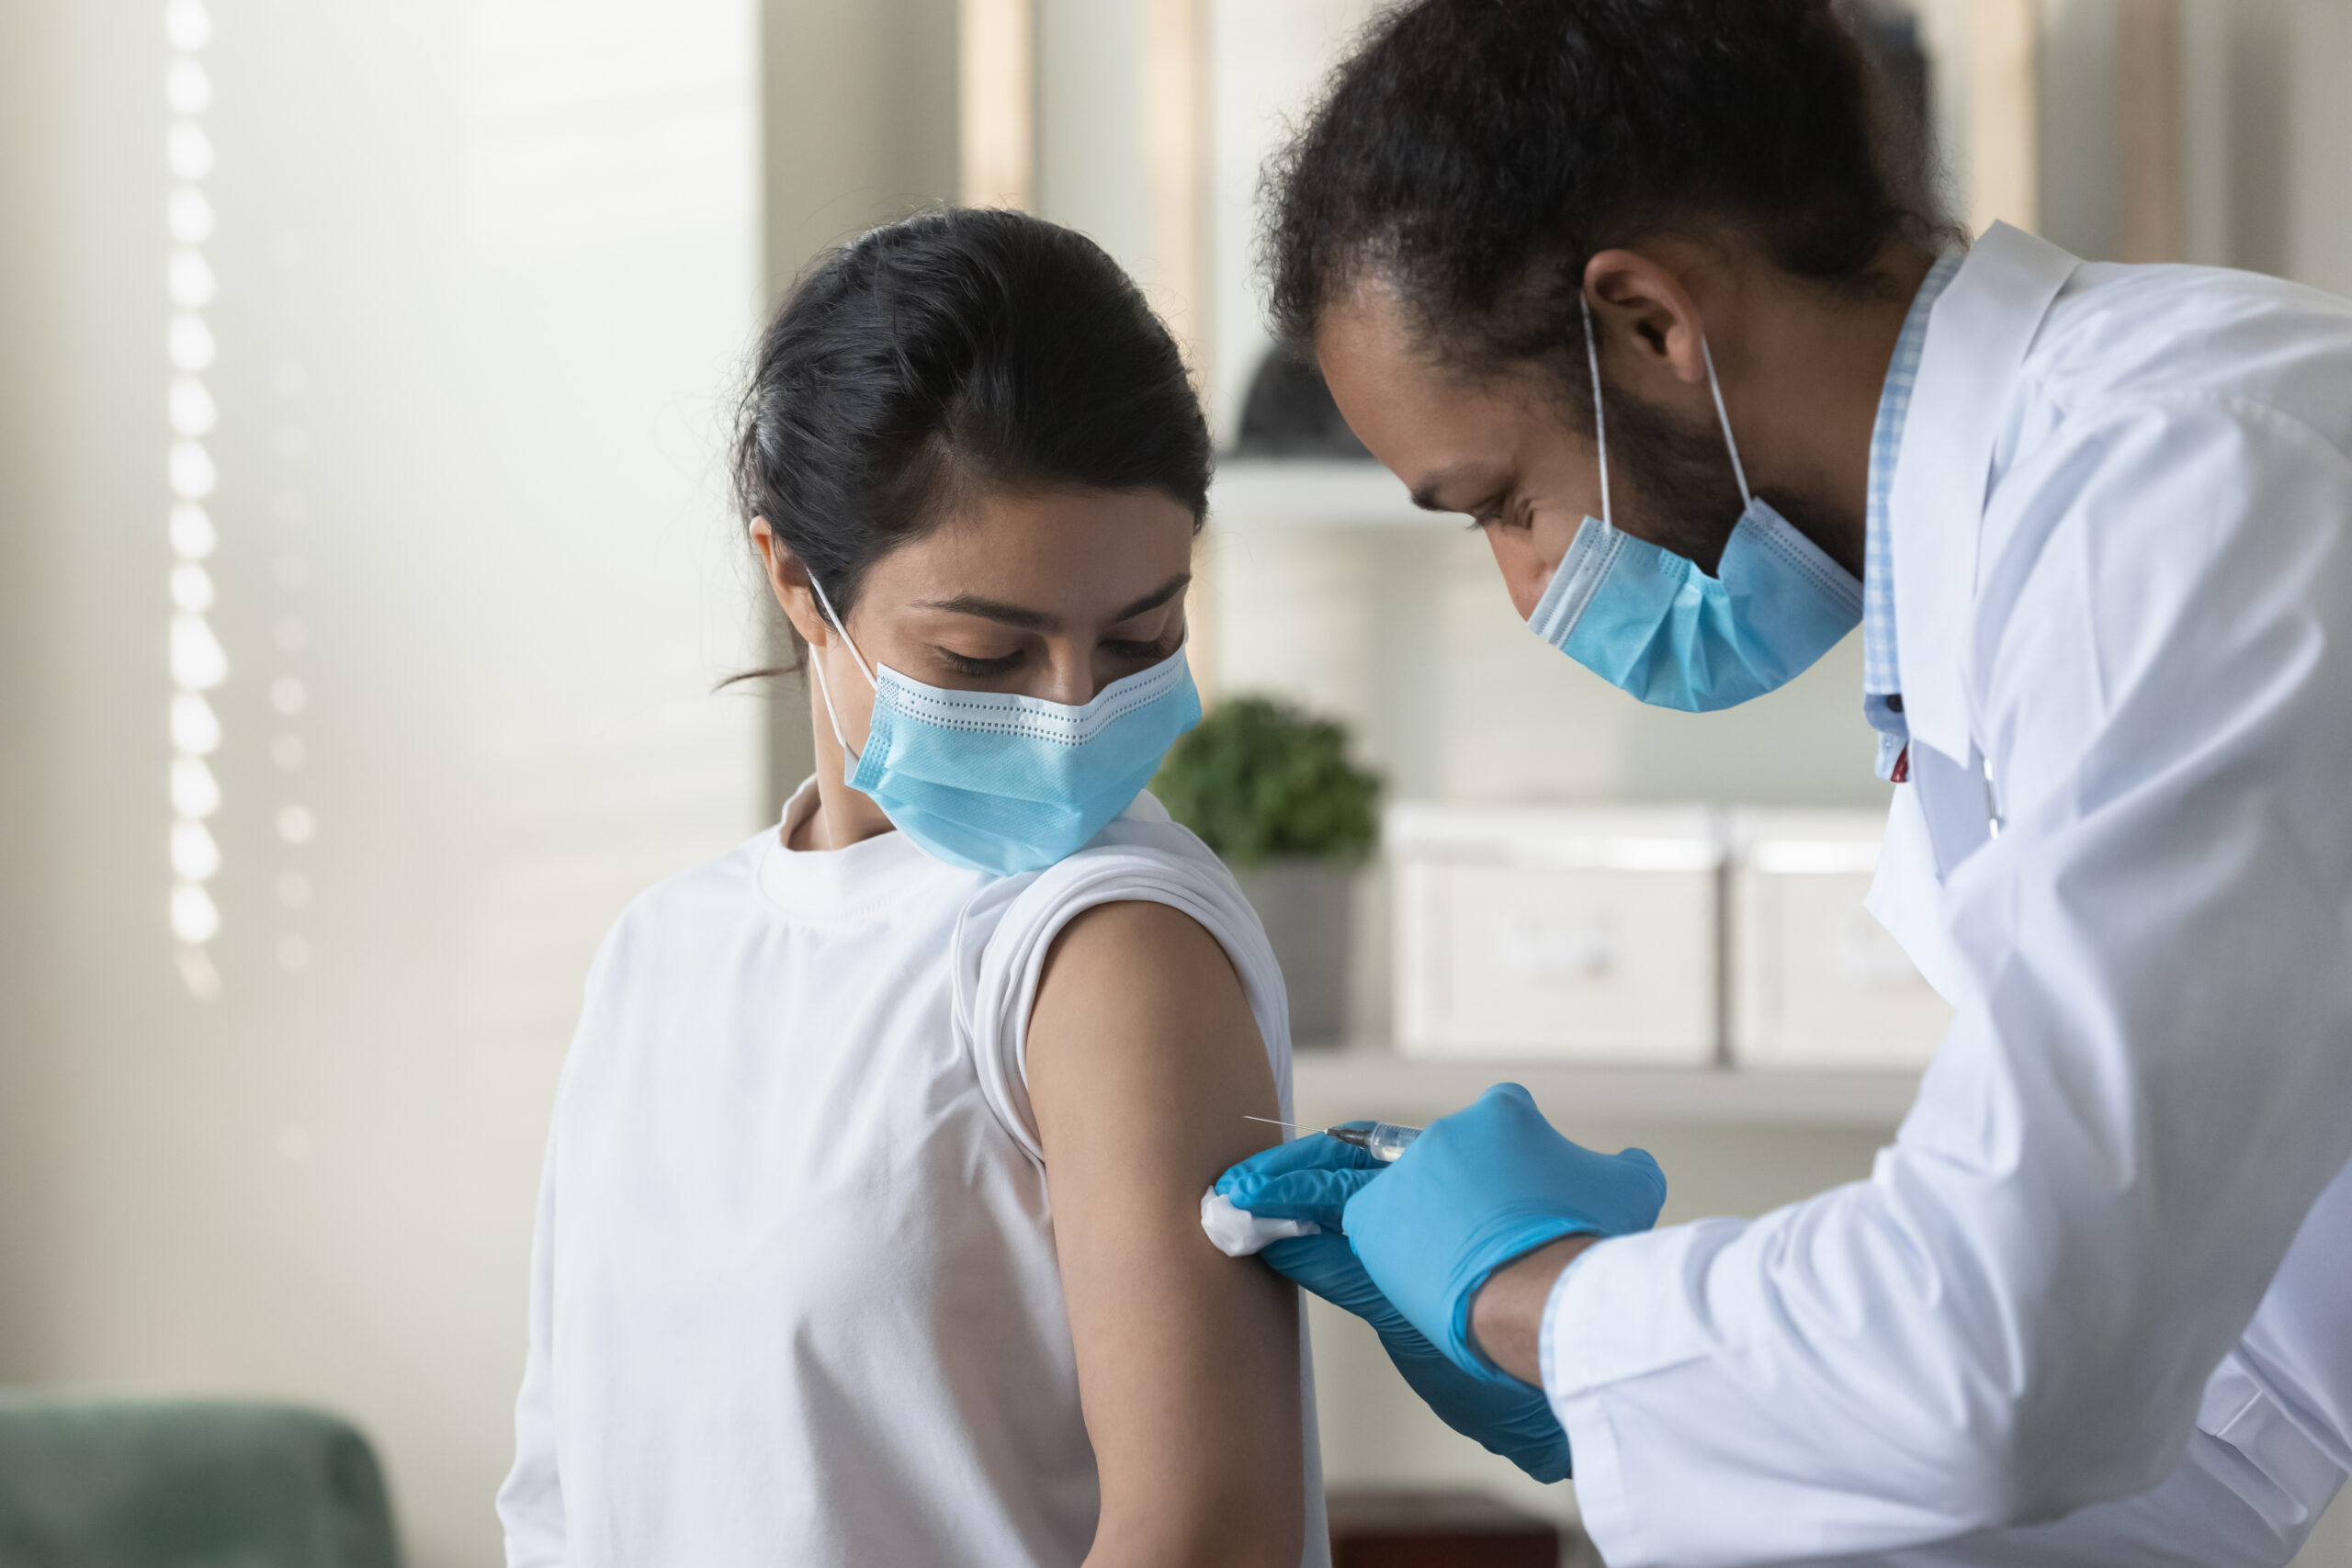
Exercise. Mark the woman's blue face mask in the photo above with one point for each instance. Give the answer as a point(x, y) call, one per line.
point(995, 782)
point(1650, 622)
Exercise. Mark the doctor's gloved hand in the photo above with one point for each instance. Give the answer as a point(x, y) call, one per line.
point(1475, 1190)
point(1514, 1421)
point(1479, 1189)
point(1510, 1419)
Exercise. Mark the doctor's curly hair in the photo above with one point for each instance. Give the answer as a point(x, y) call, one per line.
point(1474, 154)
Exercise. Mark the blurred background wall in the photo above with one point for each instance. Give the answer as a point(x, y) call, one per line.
point(859, 126)
point(477, 277)
point(364, 368)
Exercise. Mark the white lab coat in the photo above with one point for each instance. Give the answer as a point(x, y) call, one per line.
point(2103, 1278)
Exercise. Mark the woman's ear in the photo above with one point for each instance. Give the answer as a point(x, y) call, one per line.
point(1652, 314)
point(788, 581)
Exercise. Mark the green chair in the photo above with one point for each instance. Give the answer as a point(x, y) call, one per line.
point(90, 1482)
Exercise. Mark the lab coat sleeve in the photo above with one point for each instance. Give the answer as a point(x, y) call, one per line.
point(2217, 1509)
point(2142, 1092)
point(530, 1504)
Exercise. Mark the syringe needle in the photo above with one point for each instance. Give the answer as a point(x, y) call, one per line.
point(1271, 1123)
point(1383, 1140)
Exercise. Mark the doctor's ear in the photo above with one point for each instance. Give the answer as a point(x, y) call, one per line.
point(1641, 309)
point(788, 581)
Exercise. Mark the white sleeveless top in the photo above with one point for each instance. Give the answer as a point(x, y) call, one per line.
point(794, 1293)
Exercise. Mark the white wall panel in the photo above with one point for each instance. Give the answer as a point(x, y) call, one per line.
point(1089, 125)
point(860, 117)
point(483, 277)
point(1266, 60)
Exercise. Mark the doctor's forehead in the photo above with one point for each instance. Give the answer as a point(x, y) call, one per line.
point(1443, 432)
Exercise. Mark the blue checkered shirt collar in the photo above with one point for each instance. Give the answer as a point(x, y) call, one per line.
point(1881, 672)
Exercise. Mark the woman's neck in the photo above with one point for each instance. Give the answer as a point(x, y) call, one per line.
point(843, 816)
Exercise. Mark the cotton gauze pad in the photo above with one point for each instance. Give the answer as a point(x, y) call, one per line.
point(1237, 1233)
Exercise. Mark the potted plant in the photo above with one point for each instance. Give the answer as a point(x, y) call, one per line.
point(1269, 788)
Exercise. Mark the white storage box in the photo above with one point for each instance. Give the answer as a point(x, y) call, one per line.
point(1556, 934)
point(1815, 981)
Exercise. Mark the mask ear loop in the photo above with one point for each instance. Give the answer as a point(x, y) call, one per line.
point(1723, 417)
point(833, 718)
point(835, 621)
point(817, 665)
point(1599, 420)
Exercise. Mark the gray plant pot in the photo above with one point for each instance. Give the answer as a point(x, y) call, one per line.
point(1305, 906)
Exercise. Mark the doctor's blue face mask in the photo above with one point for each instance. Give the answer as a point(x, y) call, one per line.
point(1652, 624)
point(996, 782)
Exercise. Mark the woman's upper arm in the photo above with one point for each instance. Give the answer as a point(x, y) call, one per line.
point(1144, 1061)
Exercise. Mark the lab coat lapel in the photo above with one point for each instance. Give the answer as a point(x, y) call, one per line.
point(1977, 339)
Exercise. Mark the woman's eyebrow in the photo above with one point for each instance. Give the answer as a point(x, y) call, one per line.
point(994, 610)
point(1040, 621)
point(1155, 598)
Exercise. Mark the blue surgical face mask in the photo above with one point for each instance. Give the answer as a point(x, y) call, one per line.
point(1651, 622)
point(1004, 783)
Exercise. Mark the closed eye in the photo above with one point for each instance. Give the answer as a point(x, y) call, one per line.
point(1158, 648)
point(1500, 507)
point(1511, 512)
point(980, 668)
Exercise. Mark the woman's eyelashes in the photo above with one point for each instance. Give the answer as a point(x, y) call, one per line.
point(980, 668)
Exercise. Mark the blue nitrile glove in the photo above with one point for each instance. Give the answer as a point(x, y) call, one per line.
point(1513, 1420)
point(1477, 1189)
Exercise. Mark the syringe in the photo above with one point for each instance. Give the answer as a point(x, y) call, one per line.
point(1383, 1140)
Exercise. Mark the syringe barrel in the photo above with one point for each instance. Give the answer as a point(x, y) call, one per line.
point(1383, 1140)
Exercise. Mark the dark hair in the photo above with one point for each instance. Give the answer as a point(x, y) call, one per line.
point(953, 356)
point(1476, 153)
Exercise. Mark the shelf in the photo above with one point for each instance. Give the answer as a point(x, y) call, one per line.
point(1266, 492)
point(1351, 1083)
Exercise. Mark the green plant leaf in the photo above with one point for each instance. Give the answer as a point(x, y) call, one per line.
point(1261, 779)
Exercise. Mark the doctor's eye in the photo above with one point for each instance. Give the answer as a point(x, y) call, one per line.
point(1506, 508)
point(1152, 651)
point(1514, 514)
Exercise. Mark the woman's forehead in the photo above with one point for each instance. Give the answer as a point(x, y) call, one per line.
point(1080, 555)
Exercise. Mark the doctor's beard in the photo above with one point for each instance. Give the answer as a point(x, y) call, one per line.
point(1685, 497)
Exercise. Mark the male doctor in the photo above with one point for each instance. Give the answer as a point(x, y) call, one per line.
point(1646, 289)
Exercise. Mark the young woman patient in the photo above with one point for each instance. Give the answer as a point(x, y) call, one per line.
point(870, 1227)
